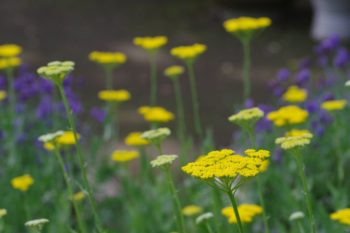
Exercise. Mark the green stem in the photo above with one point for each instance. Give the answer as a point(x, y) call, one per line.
point(246, 68)
point(262, 203)
point(81, 225)
point(109, 78)
point(195, 105)
point(176, 201)
point(307, 195)
point(300, 227)
point(153, 74)
point(12, 132)
point(235, 209)
point(208, 228)
point(144, 165)
point(81, 160)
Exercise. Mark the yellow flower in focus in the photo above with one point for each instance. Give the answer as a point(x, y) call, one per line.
point(246, 117)
point(332, 105)
point(79, 196)
point(288, 115)
point(107, 58)
point(9, 62)
point(3, 95)
point(66, 139)
point(151, 43)
point(292, 142)
point(3, 212)
point(173, 71)
point(22, 183)
point(246, 24)
point(192, 210)
point(189, 52)
point(10, 50)
point(342, 216)
point(156, 114)
point(294, 94)
point(297, 132)
point(124, 155)
point(114, 95)
point(246, 212)
point(135, 139)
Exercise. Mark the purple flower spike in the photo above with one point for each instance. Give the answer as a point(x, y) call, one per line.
point(98, 113)
point(342, 58)
point(249, 103)
point(302, 77)
point(283, 75)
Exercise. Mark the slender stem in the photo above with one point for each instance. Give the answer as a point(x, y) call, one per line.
point(12, 101)
point(300, 227)
point(195, 105)
point(153, 74)
point(235, 209)
point(246, 68)
point(81, 160)
point(306, 192)
point(262, 203)
point(176, 201)
point(208, 227)
point(81, 225)
point(144, 165)
point(109, 78)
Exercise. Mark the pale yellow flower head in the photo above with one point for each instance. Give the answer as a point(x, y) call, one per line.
point(135, 139)
point(174, 71)
point(3, 212)
point(294, 142)
point(288, 115)
point(122, 156)
point(294, 94)
point(156, 114)
point(297, 132)
point(188, 52)
point(107, 58)
point(246, 24)
point(37, 224)
point(247, 212)
point(56, 71)
point(114, 95)
point(151, 43)
point(156, 136)
point(78, 197)
point(22, 183)
point(3, 95)
point(163, 160)
point(191, 210)
point(296, 216)
point(247, 117)
point(10, 50)
point(342, 216)
point(204, 217)
point(333, 105)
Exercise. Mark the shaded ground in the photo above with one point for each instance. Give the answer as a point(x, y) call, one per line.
point(71, 29)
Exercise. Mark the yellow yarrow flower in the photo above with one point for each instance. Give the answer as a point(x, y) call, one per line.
point(156, 114)
point(135, 139)
point(163, 160)
point(122, 156)
point(189, 52)
point(151, 43)
point(174, 71)
point(3, 95)
point(247, 117)
point(79, 196)
point(56, 71)
point(332, 105)
point(107, 58)
point(246, 24)
point(66, 139)
point(192, 210)
point(294, 142)
point(114, 95)
point(9, 62)
point(246, 212)
point(294, 94)
point(22, 183)
point(288, 115)
point(3, 212)
point(10, 50)
point(342, 216)
point(297, 132)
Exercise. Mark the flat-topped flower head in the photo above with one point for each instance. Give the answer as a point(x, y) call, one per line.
point(78, 197)
point(114, 95)
point(156, 136)
point(294, 142)
point(122, 156)
point(10, 50)
point(296, 216)
point(56, 71)
point(22, 183)
point(347, 83)
point(333, 105)
point(67, 138)
point(247, 117)
point(156, 114)
point(191, 210)
point(37, 224)
point(247, 212)
point(135, 139)
point(151, 44)
point(57, 139)
point(188, 53)
point(246, 26)
point(294, 94)
point(174, 71)
point(163, 160)
point(3, 212)
point(9, 62)
point(108, 59)
point(3, 95)
point(288, 115)
point(204, 217)
point(260, 154)
point(297, 132)
point(50, 137)
point(342, 216)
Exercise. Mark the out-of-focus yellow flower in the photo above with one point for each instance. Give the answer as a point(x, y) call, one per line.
point(243, 24)
point(297, 132)
point(124, 155)
point(292, 142)
point(288, 115)
point(246, 212)
point(3, 212)
point(67, 138)
point(188, 52)
point(333, 105)
point(135, 139)
point(49, 146)
point(342, 216)
point(294, 94)
point(3, 95)
point(156, 136)
point(107, 58)
point(192, 210)
point(10, 50)
point(151, 43)
point(156, 114)
point(22, 183)
point(9, 62)
point(114, 95)
point(173, 71)
point(163, 160)
point(79, 196)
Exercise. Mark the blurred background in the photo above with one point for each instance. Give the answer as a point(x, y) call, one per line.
point(70, 29)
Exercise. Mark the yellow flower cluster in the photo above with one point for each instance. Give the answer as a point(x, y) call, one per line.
point(297, 132)
point(246, 213)
point(3, 95)
point(156, 114)
point(22, 183)
point(332, 105)
point(10, 62)
point(247, 116)
point(61, 138)
point(135, 139)
point(192, 210)
point(173, 71)
point(188, 52)
point(3, 212)
point(342, 216)
point(56, 71)
point(124, 155)
point(226, 164)
point(114, 95)
point(151, 43)
point(246, 24)
point(10, 50)
point(294, 94)
point(79, 196)
point(292, 142)
point(107, 58)
point(287, 115)
point(163, 160)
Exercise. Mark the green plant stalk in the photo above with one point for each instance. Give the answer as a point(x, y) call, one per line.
point(194, 95)
point(217, 205)
point(81, 160)
point(144, 165)
point(208, 227)
point(153, 74)
point(12, 101)
point(307, 195)
point(176, 201)
point(111, 125)
point(235, 210)
point(300, 227)
point(246, 68)
point(81, 225)
point(109, 78)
